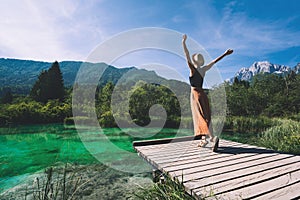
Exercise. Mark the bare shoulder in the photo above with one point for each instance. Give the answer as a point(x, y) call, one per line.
point(208, 66)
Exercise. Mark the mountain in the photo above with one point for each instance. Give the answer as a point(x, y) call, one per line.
point(20, 75)
point(263, 67)
point(297, 68)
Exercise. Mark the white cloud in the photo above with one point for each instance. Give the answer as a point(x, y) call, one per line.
point(48, 30)
point(249, 36)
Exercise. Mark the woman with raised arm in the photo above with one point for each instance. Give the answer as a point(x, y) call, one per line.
point(199, 101)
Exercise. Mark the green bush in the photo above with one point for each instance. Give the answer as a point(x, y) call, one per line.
point(35, 112)
point(249, 124)
point(284, 137)
point(80, 120)
point(25, 112)
point(295, 117)
point(107, 120)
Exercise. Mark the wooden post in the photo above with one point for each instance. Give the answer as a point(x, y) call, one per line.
point(156, 175)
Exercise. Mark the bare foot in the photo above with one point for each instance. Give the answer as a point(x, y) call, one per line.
point(202, 143)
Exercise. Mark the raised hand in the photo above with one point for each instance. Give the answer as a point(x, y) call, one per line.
point(228, 51)
point(184, 37)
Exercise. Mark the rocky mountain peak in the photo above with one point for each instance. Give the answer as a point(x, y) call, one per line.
point(262, 67)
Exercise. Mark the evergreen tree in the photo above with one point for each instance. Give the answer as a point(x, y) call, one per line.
point(8, 97)
point(38, 91)
point(56, 82)
point(49, 85)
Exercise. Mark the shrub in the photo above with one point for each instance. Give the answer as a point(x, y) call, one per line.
point(249, 124)
point(107, 120)
point(284, 137)
point(81, 120)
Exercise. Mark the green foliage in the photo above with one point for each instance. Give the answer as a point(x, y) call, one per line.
point(168, 190)
point(268, 95)
point(31, 112)
point(104, 99)
point(7, 97)
point(107, 120)
point(141, 97)
point(285, 137)
point(241, 124)
point(49, 85)
point(295, 117)
point(145, 96)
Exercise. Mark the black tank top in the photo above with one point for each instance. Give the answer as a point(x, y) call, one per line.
point(196, 80)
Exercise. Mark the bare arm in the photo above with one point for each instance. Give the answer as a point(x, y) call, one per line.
point(227, 52)
point(187, 54)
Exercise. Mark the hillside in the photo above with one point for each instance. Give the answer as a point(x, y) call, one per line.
point(20, 75)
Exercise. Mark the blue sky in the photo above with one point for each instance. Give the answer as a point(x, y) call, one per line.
point(70, 29)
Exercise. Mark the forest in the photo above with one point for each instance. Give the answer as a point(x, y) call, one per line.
point(49, 101)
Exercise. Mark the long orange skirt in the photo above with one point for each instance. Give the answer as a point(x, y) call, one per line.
point(201, 112)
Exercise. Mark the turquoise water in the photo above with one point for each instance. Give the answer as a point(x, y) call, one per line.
point(27, 149)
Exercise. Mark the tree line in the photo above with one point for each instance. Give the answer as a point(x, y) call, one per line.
point(267, 95)
point(50, 102)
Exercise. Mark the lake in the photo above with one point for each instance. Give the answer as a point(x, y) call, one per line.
point(25, 150)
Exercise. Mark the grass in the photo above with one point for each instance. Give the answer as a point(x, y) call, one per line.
point(243, 124)
point(284, 137)
point(55, 186)
point(169, 189)
point(278, 134)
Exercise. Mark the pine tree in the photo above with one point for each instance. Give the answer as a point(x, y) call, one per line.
point(56, 82)
point(8, 97)
point(50, 85)
point(39, 89)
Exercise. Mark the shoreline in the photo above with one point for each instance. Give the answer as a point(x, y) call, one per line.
point(96, 181)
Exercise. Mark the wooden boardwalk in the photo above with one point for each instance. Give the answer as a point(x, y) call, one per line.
point(236, 171)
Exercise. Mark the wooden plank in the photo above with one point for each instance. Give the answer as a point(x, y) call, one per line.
point(188, 159)
point(243, 181)
point(175, 151)
point(164, 141)
point(169, 160)
point(245, 167)
point(174, 146)
point(291, 191)
point(263, 187)
point(193, 185)
point(195, 158)
point(199, 151)
point(161, 150)
point(235, 171)
point(169, 146)
point(195, 167)
point(170, 155)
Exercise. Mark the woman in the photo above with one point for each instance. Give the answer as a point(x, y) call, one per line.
point(199, 101)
